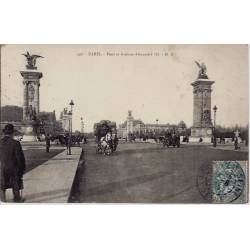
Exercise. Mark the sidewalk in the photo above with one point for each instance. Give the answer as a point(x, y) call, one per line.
point(51, 182)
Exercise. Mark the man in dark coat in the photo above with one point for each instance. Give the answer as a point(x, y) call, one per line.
point(47, 140)
point(12, 164)
point(68, 142)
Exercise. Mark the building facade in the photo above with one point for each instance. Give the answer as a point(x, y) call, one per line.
point(65, 119)
point(138, 128)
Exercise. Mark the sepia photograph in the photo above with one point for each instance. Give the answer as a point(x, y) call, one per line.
point(124, 124)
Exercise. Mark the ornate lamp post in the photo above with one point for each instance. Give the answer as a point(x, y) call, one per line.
point(214, 134)
point(156, 130)
point(140, 123)
point(70, 122)
point(71, 111)
point(82, 126)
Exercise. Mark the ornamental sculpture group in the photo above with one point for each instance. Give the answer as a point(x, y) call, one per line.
point(31, 60)
point(202, 70)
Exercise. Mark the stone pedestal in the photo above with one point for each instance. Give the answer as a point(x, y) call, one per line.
point(199, 132)
point(28, 133)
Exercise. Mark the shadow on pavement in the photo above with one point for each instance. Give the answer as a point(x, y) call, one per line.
point(74, 196)
point(36, 157)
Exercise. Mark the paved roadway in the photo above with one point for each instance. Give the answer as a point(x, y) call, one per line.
point(146, 173)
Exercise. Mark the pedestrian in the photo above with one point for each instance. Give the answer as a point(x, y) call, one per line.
point(12, 165)
point(214, 141)
point(236, 145)
point(116, 141)
point(47, 140)
point(68, 143)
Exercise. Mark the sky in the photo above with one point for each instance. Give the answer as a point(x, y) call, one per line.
point(105, 81)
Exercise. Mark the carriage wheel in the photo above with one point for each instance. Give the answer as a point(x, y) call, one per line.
point(98, 149)
point(107, 150)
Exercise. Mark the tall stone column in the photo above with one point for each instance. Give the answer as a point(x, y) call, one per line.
point(38, 97)
point(25, 100)
point(202, 124)
point(31, 102)
point(129, 123)
point(37, 101)
point(31, 80)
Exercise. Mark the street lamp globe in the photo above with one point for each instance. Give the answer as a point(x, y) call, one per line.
point(71, 103)
point(214, 134)
point(215, 108)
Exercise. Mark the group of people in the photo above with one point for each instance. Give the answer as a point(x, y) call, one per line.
point(107, 144)
point(144, 137)
point(68, 140)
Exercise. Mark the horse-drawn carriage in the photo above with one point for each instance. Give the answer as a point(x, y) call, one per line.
point(171, 139)
point(106, 137)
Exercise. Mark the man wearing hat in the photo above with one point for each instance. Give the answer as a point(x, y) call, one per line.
point(12, 164)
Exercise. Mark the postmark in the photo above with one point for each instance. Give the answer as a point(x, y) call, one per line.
point(221, 181)
point(228, 181)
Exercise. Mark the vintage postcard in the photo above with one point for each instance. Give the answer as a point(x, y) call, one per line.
point(124, 124)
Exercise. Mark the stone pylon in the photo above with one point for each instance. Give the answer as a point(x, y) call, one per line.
point(31, 102)
point(31, 95)
point(202, 123)
point(130, 124)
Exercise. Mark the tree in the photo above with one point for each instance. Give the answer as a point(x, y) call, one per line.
point(58, 129)
point(182, 125)
point(103, 127)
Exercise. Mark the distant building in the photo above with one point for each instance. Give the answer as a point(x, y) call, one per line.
point(130, 126)
point(14, 115)
point(138, 127)
point(11, 113)
point(65, 118)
